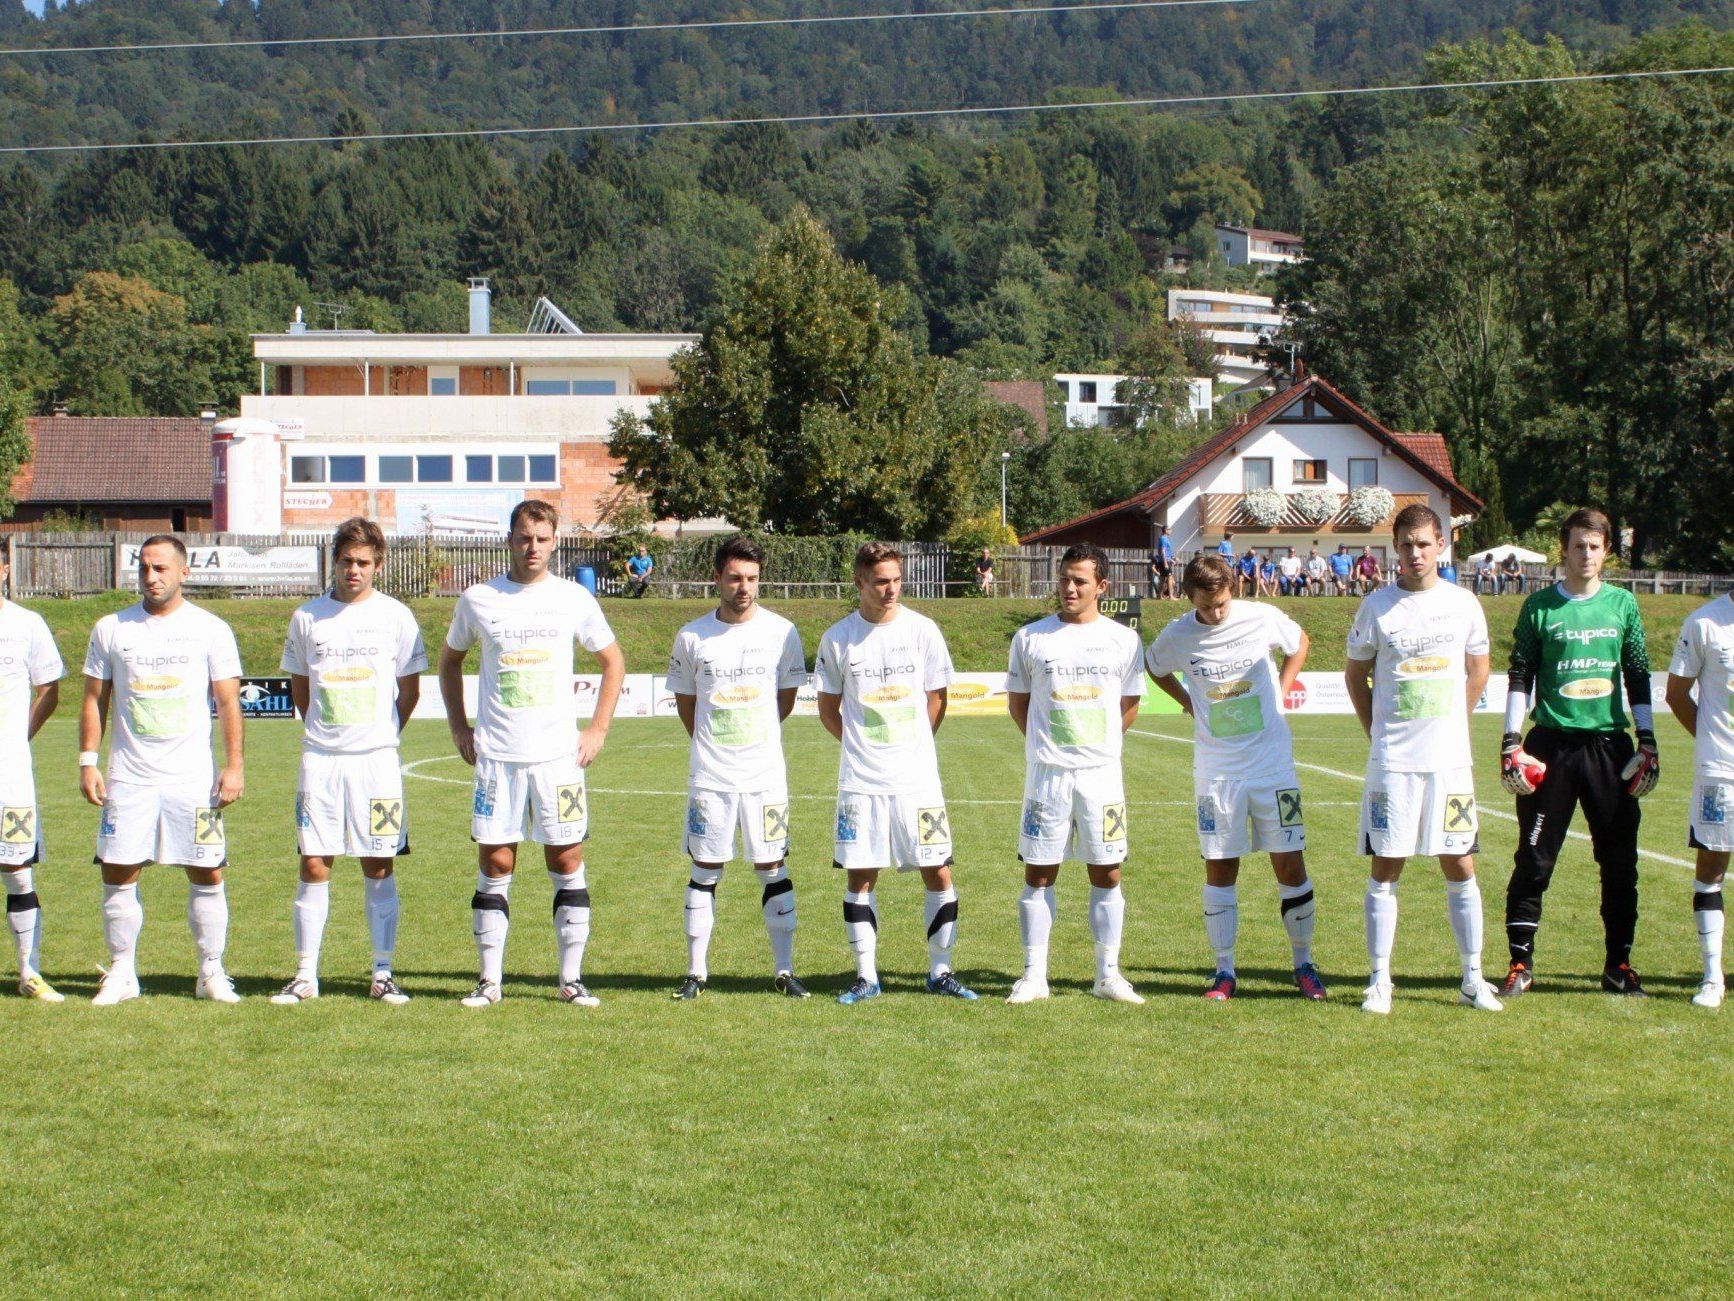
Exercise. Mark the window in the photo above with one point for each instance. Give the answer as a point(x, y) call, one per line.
point(583, 388)
point(547, 388)
point(1256, 472)
point(542, 469)
point(478, 469)
point(1363, 472)
point(1309, 471)
point(511, 469)
point(1086, 390)
point(348, 469)
point(307, 469)
point(1065, 390)
point(592, 388)
point(433, 469)
point(397, 469)
point(443, 386)
point(323, 469)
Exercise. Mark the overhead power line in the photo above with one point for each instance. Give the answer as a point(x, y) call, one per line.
point(620, 28)
point(1166, 101)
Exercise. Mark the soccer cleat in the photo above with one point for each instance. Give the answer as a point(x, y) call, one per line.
point(298, 990)
point(386, 990)
point(1377, 998)
point(1709, 994)
point(115, 988)
point(690, 988)
point(859, 992)
point(1623, 980)
point(1518, 980)
point(1027, 989)
point(485, 994)
point(786, 985)
point(217, 988)
point(1480, 995)
point(1116, 989)
point(574, 992)
point(1310, 983)
point(948, 985)
point(39, 989)
point(1221, 988)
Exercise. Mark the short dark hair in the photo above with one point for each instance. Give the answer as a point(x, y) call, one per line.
point(1590, 520)
point(1205, 573)
point(1414, 515)
point(738, 547)
point(164, 540)
point(358, 532)
point(1079, 552)
point(876, 553)
point(539, 512)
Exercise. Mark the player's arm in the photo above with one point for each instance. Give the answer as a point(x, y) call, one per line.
point(1292, 665)
point(1129, 711)
point(831, 714)
point(301, 693)
point(937, 701)
point(452, 696)
point(1017, 703)
point(1360, 687)
point(1479, 668)
point(408, 697)
point(1680, 700)
point(92, 715)
point(231, 781)
point(1645, 767)
point(592, 738)
point(687, 708)
point(785, 702)
point(43, 705)
point(1170, 685)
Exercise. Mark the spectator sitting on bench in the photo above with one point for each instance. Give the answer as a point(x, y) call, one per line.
point(638, 570)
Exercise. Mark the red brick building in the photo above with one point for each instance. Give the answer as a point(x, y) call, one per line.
point(116, 472)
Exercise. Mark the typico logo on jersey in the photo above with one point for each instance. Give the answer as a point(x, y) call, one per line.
point(1423, 666)
point(1228, 690)
point(1587, 689)
point(1584, 635)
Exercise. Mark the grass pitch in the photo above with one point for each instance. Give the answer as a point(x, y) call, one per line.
point(745, 1143)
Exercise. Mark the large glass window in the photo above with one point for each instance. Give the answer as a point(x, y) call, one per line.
point(433, 469)
point(1256, 474)
point(397, 469)
point(1363, 472)
point(478, 469)
point(510, 469)
point(307, 469)
point(1086, 390)
point(348, 469)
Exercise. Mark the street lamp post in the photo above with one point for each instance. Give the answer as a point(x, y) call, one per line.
point(1004, 461)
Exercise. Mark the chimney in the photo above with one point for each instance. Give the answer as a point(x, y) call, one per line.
point(480, 301)
point(298, 323)
point(60, 408)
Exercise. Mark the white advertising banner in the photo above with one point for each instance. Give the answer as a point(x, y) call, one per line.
point(229, 566)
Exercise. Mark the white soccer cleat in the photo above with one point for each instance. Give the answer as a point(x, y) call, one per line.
point(1027, 989)
point(1709, 994)
point(217, 988)
point(578, 994)
point(1377, 998)
point(298, 990)
point(485, 994)
point(115, 988)
point(1479, 995)
point(39, 989)
point(1116, 989)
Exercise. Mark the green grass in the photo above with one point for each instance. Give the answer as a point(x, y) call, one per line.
point(744, 1144)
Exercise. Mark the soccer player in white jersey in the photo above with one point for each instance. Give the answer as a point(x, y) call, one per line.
point(528, 753)
point(30, 673)
point(882, 674)
point(1704, 658)
point(1424, 645)
point(734, 674)
point(1073, 684)
point(354, 658)
point(160, 663)
point(1249, 799)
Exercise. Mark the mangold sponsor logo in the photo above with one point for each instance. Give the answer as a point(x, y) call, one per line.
point(887, 694)
point(1229, 690)
point(1423, 666)
point(1588, 689)
point(1074, 695)
point(521, 658)
point(353, 673)
point(744, 694)
point(966, 691)
point(156, 684)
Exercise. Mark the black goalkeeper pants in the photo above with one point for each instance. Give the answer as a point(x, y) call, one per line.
point(1583, 769)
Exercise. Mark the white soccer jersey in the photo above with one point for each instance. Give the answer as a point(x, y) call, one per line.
point(1705, 653)
point(162, 667)
point(1417, 642)
point(734, 671)
point(28, 658)
point(352, 653)
point(1237, 717)
point(1074, 675)
point(883, 671)
point(527, 707)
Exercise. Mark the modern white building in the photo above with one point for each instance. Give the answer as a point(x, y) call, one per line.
point(1249, 246)
point(1237, 325)
point(1092, 400)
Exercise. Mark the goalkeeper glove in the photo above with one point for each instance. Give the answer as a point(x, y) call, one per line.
point(1518, 769)
point(1644, 767)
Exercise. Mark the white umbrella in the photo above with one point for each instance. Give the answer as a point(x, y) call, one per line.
point(1523, 554)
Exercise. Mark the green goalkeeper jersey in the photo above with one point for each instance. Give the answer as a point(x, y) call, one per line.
point(1571, 655)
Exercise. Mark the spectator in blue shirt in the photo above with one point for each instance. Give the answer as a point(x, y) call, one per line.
point(638, 570)
point(1162, 564)
point(1249, 574)
point(1342, 568)
point(1225, 548)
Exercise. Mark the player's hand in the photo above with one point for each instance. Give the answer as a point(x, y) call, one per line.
point(1644, 768)
point(231, 785)
point(1520, 770)
point(590, 742)
point(90, 781)
point(464, 737)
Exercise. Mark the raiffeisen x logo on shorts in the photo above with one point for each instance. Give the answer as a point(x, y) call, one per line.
point(1288, 807)
point(208, 827)
point(384, 817)
point(18, 826)
point(776, 822)
point(571, 802)
point(1460, 813)
point(934, 827)
point(1114, 822)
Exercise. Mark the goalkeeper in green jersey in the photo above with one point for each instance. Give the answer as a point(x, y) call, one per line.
point(1576, 642)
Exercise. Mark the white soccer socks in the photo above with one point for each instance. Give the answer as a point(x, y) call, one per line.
point(208, 919)
point(24, 916)
point(1107, 924)
point(1222, 923)
point(1381, 910)
point(1299, 913)
point(122, 920)
point(571, 923)
point(940, 913)
point(312, 906)
point(1036, 908)
point(491, 911)
point(1707, 913)
point(700, 918)
point(1463, 906)
point(778, 903)
point(861, 926)
point(382, 912)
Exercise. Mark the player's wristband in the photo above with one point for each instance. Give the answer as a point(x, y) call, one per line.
point(89, 758)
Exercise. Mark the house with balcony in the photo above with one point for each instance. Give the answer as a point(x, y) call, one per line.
point(1301, 452)
point(1239, 327)
point(1092, 401)
point(434, 431)
point(1249, 246)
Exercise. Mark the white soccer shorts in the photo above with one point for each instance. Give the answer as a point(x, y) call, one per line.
point(1073, 813)
point(1712, 820)
point(1258, 816)
point(714, 817)
point(544, 802)
point(1433, 813)
point(162, 824)
point(351, 804)
point(20, 824)
point(908, 832)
